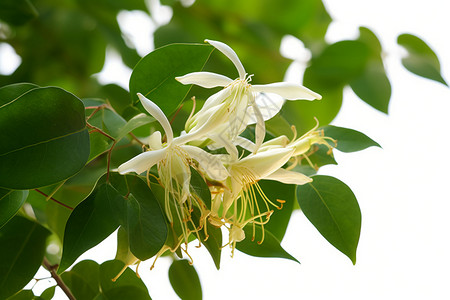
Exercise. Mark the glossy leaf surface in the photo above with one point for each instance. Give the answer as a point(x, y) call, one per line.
point(373, 85)
point(91, 222)
point(45, 130)
point(332, 208)
point(10, 202)
point(154, 75)
point(270, 247)
point(349, 140)
point(23, 255)
point(185, 281)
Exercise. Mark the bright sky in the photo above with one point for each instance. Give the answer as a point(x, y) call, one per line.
point(402, 189)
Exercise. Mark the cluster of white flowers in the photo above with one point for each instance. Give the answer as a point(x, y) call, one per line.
point(232, 176)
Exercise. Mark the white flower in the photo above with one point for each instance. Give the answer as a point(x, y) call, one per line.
point(242, 107)
point(239, 199)
point(173, 160)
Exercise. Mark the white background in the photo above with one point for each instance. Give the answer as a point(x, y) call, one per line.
point(402, 189)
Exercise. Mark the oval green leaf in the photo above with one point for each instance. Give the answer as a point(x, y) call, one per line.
point(91, 222)
point(421, 59)
point(21, 259)
point(146, 226)
point(127, 280)
point(373, 85)
point(270, 247)
point(184, 280)
point(46, 138)
point(83, 279)
point(154, 75)
point(349, 140)
point(10, 202)
point(330, 205)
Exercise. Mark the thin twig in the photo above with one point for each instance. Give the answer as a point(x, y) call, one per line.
point(59, 281)
point(53, 199)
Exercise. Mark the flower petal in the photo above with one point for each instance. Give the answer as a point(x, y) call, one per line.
point(154, 141)
point(211, 164)
point(205, 79)
point(228, 52)
point(289, 177)
point(158, 114)
point(263, 164)
point(260, 129)
point(288, 90)
point(269, 105)
point(142, 162)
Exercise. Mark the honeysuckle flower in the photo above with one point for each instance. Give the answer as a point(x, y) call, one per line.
point(174, 159)
point(242, 107)
point(238, 205)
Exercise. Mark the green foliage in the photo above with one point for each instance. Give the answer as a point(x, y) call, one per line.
point(17, 12)
point(154, 75)
point(269, 247)
point(59, 157)
point(91, 222)
point(21, 259)
point(10, 202)
point(372, 85)
point(88, 280)
point(184, 280)
point(349, 140)
point(331, 207)
point(421, 60)
point(52, 136)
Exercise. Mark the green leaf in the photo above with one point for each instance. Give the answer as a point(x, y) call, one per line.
point(185, 281)
point(10, 92)
point(154, 75)
point(373, 85)
point(10, 202)
point(200, 188)
point(125, 292)
point(91, 222)
point(17, 12)
point(23, 295)
point(270, 247)
point(332, 208)
point(349, 140)
point(83, 279)
point(20, 260)
point(45, 130)
point(127, 280)
point(340, 62)
point(421, 59)
point(48, 293)
point(146, 226)
point(123, 252)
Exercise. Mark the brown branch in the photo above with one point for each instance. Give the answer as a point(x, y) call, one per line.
point(59, 281)
point(53, 199)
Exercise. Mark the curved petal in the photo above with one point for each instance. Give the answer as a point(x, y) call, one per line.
point(142, 162)
point(269, 105)
point(260, 129)
point(211, 164)
point(154, 141)
point(205, 79)
point(245, 143)
point(288, 90)
point(263, 164)
point(228, 52)
point(289, 177)
point(158, 114)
